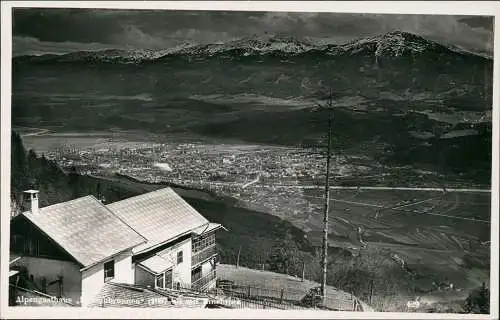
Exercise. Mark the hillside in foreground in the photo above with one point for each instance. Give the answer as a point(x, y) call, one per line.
point(294, 288)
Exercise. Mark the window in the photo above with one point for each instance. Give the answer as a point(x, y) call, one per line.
point(168, 279)
point(203, 242)
point(159, 281)
point(179, 257)
point(164, 280)
point(109, 270)
point(195, 274)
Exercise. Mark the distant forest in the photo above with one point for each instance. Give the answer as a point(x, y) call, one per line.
point(32, 171)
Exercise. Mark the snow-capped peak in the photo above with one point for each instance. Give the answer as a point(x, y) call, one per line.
point(397, 43)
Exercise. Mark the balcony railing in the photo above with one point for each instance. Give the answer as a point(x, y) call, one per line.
point(203, 281)
point(203, 255)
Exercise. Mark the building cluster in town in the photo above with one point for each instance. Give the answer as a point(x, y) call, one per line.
point(193, 162)
point(265, 178)
point(203, 165)
point(262, 177)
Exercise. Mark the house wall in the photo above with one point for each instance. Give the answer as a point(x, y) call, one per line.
point(124, 270)
point(51, 269)
point(93, 278)
point(144, 278)
point(180, 272)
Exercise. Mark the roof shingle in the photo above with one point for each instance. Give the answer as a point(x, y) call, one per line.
point(158, 216)
point(86, 229)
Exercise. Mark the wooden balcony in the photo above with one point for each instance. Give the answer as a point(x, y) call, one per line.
point(203, 255)
point(201, 282)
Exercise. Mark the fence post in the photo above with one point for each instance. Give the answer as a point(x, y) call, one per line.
point(371, 292)
point(281, 295)
point(238, 259)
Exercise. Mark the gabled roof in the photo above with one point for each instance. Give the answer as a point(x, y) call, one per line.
point(86, 229)
point(13, 273)
point(206, 228)
point(158, 216)
point(13, 257)
point(157, 264)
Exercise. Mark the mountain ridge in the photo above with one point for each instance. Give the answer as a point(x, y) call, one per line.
point(394, 44)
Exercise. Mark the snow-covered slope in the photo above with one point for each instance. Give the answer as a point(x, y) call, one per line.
point(393, 44)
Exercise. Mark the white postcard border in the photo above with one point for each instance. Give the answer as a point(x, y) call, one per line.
point(489, 8)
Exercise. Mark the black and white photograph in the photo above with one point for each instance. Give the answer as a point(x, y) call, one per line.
point(249, 160)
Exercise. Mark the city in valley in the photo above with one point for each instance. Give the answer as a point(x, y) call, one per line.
point(277, 179)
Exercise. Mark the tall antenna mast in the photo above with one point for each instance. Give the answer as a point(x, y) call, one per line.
point(327, 198)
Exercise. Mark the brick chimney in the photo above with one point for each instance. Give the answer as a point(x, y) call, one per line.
point(32, 196)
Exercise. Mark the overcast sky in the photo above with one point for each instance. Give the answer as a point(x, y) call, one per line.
point(38, 31)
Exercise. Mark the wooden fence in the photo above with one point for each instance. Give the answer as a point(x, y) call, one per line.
point(282, 299)
point(229, 294)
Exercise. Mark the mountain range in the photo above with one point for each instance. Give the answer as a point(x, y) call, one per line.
point(393, 44)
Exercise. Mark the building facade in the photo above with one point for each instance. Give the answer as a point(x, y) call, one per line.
point(155, 240)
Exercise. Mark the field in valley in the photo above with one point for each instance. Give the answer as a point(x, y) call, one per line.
point(441, 236)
